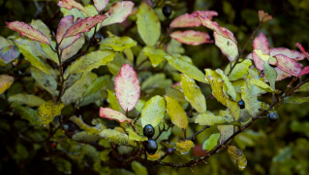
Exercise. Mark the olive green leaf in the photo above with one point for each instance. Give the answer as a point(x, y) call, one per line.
point(303, 88)
point(270, 74)
point(225, 132)
point(208, 118)
point(5, 82)
point(134, 136)
point(138, 168)
point(261, 84)
point(296, 100)
point(118, 43)
point(153, 111)
point(117, 137)
point(46, 81)
point(89, 129)
point(156, 56)
point(84, 136)
point(49, 110)
point(97, 85)
point(183, 147)
point(176, 112)
point(239, 71)
point(156, 81)
point(62, 165)
point(211, 142)
point(27, 113)
point(176, 94)
point(230, 89)
point(113, 102)
point(238, 157)
point(27, 99)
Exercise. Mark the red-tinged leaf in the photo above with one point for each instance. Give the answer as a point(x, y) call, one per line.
point(113, 115)
point(127, 87)
point(263, 16)
point(84, 25)
point(26, 30)
point(216, 28)
point(301, 48)
point(69, 4)
point(64, 24)
point(294, 54)
point(304, 71)
point(118, 12)
point(100, 4)
point(191, 20)
point(281, 74)
point(261, 43)
point(191, 37)
point(288, 65)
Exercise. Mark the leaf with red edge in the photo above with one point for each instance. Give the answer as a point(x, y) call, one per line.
point(127, 87)
point(304, 71)
point(118, 12)
point(100, 4)
point(216, 28)
point(64, 24)
point(263, 16)
point(69, 4)
point(191, 37)
point(301, 48)
point(294, 54)
point(281, 74)
point(288, 65)
point(113, 115)
point(84, 25)
point(227, 46)
point(261, 43)
point(26, 30)
point(191, 20)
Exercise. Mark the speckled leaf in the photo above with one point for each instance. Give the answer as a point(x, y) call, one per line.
point(208, 118)
point(303, 88)
point(9, 53)
point(138, 168)
point(113, 115)
point(156, 56)
point(127, 87)
point(230, 89)
point(28, 31)
point(72, 49)
point(216, 84)
point(83, 136)
point(239, 71)
point(288, 65)
point(113, 102)
point(260, 43)
point(5, 82)
point(27, 99)
point(46, 81)
point(27, 113)
point(193, 93)
point(117, 137)
point(249, 94)
point(176, 112)
point(118, 12)
point(270, 74)
point(263, 16)
point(304, 71)
point(69, 4)
point(183, 147)
point(191, 37)
point(238, 157)
point(148, 24)
point(186, 68)
point(281, 74)
point(100, 4)
point(64, 24)
point(296, 100)
point(191, 20)
point(153, 111)
point(118, 43)
point(227, 46)
point(42, 27)
point(49, 110)
point(89, 129)
point(134, 136)
point(211, 142)
point(225, 132)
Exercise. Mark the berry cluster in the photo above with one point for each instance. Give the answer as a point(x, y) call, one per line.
point(151, 145)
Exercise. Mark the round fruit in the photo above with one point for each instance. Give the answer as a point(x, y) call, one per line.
point(241, 104)
point(53, 145)
point(148, 131)
point(273, 117)
point(97, 38)
point(167, 11)
point(151, 146)
point(170, 150)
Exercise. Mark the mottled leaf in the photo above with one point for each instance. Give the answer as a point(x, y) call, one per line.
point(191, 37)
point(5, 82)
point(156, 56)
point(9, 53)
point(117, 137)
point(100, 4)
point(176, 112)
point(263, 16)
point(260, 43)
point(211, 142)
point(208, 118)
point(227, 46)
point(27, 113)
point(138, 168)
point(83, 136)
point(118, 43)
point(225, 132)
point(270, 74)
point(49, 110)
point(216, 85)
point(89, 129)
point(64, 24)
point(73, 49)
point(48, 82)
point(296, 100)
point(191, 20)
point(153, 111)
point(113, 115)
point(294, 54)
point(27, 99)
point(238, 157)
point(69, 4)
point(118, 12)
point(288, 65)
point(183, 147)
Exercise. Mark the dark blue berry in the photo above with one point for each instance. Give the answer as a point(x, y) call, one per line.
point(167, 11)
point(151, 146)
point(241, 104)
point(148, 131)
point(273, 117)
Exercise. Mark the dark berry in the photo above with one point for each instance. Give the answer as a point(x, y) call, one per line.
point(273, 117)
point(53, 145)
point(151, 146)
point(97, 38)
point(241, 104)
point(148, 131)
point(167, 11)
point(170, 150)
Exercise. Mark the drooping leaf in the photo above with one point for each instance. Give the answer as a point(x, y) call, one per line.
point(127, 87)
point(5, 82)
point(176, 112)
point(260, 43)
point(113, 115)
point(227, 46)
point(89, 129)
point(238, 156)
point(193, 93)
point(225, 132)
point(138, 168)
point(288, 65)
point(270, 74)
point(27, 99)
point(9, 53)
point(191, 20)
point(211, 142)
point(117, 137)
point(186, 68)
point(49, 110)
point(153, 111)
point(183, 147)
point(263, 16)
point(134, 136)
point(191, 37)
point(230, 89)
point(118, 43)
point(28, 31)
point(48, 82)
point(156, 56)
point(296, 100)
point(208, 118)
point(100, 4)
point(304, 71)
point(69, 4)
point(118, 12)
point(239, 71)
point(148, 24)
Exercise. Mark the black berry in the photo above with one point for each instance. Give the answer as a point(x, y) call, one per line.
point(273, 117)
point(151, 146)
point(148, 131)
point(167, 11)
point(53, 145)
point(97, 38)
point(170, 150)
point(241, 104)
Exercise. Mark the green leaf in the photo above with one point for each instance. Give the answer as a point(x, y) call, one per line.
point(42, 27)
point(296, 100)
point(261, 84)
point(75, 12)
point(227, 46)
point(134, 136)
point(104, 155)
point(46, 81)
point(238, 157)
point(303, 88)
point(153, 111)
point(208, 118)
point(148, 24)
point(27, 99)
point(211, 142)
point(156, 56)
point(270, 74)
point(183, 147)
point(89, 129)
point(62, 165)
point(118, 43)
point(230, 89)
point(193, 93)
point(27, 113)
point(49, 110)
point(90, 61)
point(117, 137)
point(85, 137)
point(73, 49)
point(239, 71)
point(113, 102)
point(176, 94)
point(225, 132)
point(176, 112)
point(5, 82)
point(174, 47)
point(97, 85)
point(156, 81)
point(51, 54)
point(138, 168)
point(189, 69)
point(139, 105)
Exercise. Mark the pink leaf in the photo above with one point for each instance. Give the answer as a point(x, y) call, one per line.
point(127, 87)
point(191, 20)
point(100, 4)
point(263, 16)
point(288, 65)
point(191, 37)
point(64, 24)
point(301, 48)
point(113, 115)
point(294, 54)
point(304, 71)
point(118, 12)
point(260, 42)
point(26, 30)
point(69, 4)
point(281, 74)
point(84, 25)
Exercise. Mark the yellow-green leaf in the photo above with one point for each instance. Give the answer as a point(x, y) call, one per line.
point(227, 46)
point(230, 89)
point(211, 142)
point(49, 110)
point(118, 43)
point(176, 112)
point(239, 71)
point(89, 129)
point(117, 137)
point(27, 99)
point(216, 84)
point(296, 100)
point(156, 56)
point(27, 113)
point(113, 102)
point(225, 132)
point(5, 82)
point(303, 88)
point(138, 168)
point(184, 146)
point(208, 118)
point(261, 84)
point(153, 111)
point(134, 136)
point(238, 157)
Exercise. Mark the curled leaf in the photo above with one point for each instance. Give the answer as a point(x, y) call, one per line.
point(263, 16)
point(113, 115)
point(191, 20)
point(294, 54)
point(301, 48)
point(118, 12)
point(191, 37)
